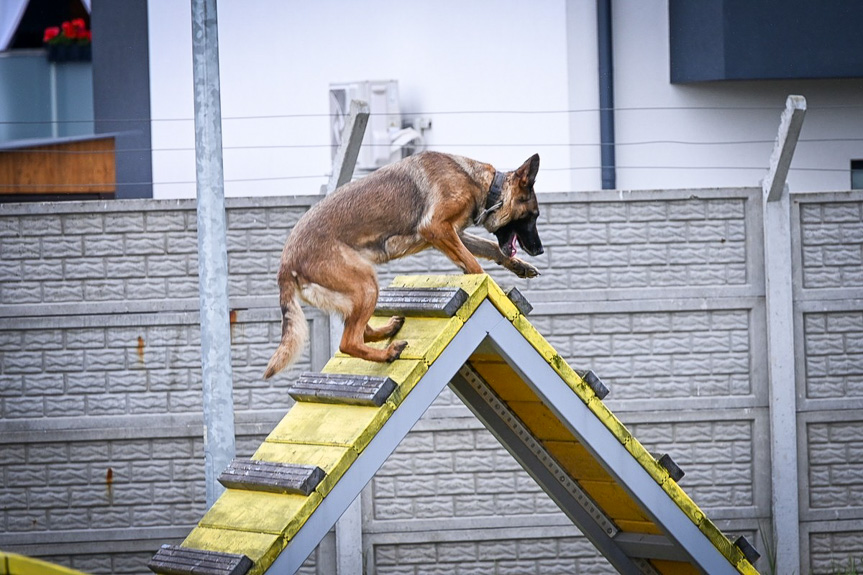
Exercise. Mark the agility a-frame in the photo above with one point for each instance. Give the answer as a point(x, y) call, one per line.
point(462, 331)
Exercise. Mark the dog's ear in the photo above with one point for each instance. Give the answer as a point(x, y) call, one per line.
point(528, 170)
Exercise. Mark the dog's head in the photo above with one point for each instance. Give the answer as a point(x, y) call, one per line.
point(516, 219)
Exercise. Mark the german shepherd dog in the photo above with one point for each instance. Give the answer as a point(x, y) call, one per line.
point(423, 201)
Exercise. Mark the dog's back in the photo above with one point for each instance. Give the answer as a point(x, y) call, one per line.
point(382, 214)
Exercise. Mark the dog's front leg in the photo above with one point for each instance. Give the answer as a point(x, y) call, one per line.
point(445, 239)
point(489, 250)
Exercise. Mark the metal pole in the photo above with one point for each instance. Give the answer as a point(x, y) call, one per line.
point(219, 446)
point(606, 94)
point(779, 296)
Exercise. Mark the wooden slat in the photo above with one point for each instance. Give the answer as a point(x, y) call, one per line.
point(342, 388)
point(175, 560)
point(421, 302)
point(255, 475)
point(76, 167)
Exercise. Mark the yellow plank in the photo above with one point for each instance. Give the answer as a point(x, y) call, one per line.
point(14, 564)
point(260, 512)
point(331, 424)
point(405, 372)
point(335, 461)
point(475, 285)
point(468, 282)
point(503, 380)
point(426, 337)
point(577, 461)
point(541, 422)
point(261, 548)
point(614, 501)
point(631, 526)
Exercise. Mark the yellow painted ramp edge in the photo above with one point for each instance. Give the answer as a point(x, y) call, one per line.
point(14, 564)
point(478, 286)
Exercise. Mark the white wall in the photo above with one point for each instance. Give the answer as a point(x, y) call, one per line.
point(486, 57)
point(279, 57)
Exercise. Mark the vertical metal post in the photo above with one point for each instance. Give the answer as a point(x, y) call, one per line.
point(780, 341)
point(219, 447)
point(349, 529)
point(52, 87)
point(605, 55)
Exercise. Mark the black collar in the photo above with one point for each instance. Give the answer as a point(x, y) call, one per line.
point(493, 200)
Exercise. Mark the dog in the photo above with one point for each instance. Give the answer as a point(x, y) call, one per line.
point(425, 200)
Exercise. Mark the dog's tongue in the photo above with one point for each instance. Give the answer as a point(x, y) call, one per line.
point(512, 247)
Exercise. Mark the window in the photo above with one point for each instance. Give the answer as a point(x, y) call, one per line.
point(857, 174)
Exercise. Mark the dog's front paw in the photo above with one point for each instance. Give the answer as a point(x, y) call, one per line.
point(395, 349)
point(521, 268)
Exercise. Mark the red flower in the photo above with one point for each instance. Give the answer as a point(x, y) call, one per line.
point(87, 35)
point(69, 30)
point(79, 24)
point(51, 33)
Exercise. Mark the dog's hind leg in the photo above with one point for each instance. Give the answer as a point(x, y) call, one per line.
point(356, 328)
point(358, 286)
point(388, 330)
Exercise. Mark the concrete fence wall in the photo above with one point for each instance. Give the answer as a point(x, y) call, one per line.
point(660, 293)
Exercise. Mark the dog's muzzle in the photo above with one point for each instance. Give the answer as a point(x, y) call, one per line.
point(523, 232)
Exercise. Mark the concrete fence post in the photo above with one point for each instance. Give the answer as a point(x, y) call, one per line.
point(349, 529)
point(780, 341)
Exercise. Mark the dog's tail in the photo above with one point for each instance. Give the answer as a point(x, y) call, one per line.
point(295, 330)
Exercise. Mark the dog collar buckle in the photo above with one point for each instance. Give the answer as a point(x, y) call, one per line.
point(493, 200)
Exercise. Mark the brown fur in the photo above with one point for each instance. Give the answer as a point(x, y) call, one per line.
point(423, 201)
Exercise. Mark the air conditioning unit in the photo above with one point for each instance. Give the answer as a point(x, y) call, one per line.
point(385, 138)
